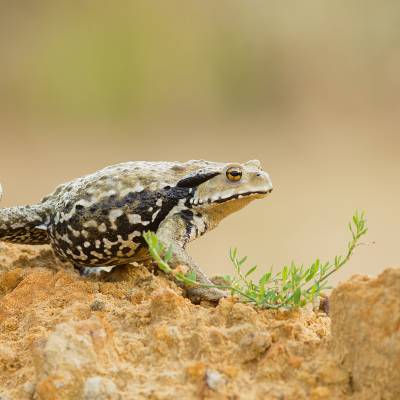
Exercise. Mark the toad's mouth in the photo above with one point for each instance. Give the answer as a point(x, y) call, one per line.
point(243, 195)
point(236, 196)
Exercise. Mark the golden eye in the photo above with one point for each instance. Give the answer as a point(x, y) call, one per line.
point(234, 174)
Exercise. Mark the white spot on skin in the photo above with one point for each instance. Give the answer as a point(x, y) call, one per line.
point(132, 235)
point(155, 216)
point(138, 187)
point(200, 224)
point(18, 225)
point(84, 233)
point(130, 253)
point(153, 186)
point(97, 243)
point(150, 209)
point(108, 244)
point(66, 239)
point(57, 218)
point(159, 203)
point(74, 232)
point(113, 215)
point(82, 255)
point(86, 244)
point(90, 224)
point(62, 252)
point(135, 219)
point(110, 193)
point(102, 227)
point(96, 254)
point(84, 203)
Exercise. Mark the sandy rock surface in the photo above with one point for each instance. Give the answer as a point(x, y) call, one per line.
point(131, 335)
point(366, 336)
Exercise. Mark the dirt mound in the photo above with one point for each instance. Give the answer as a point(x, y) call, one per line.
point(133, 336)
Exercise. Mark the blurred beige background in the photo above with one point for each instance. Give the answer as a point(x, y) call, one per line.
point(312, 89)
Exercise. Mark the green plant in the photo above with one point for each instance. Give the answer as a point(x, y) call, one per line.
point(293, 286)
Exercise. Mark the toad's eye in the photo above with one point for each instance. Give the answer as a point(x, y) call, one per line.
point(234, 174)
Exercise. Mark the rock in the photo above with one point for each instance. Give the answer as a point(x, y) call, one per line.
point(133, 336)
point(366, 333)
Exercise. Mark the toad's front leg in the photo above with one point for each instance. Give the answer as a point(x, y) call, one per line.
point(173, 233)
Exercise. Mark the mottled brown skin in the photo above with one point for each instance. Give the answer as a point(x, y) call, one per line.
point(98, 220)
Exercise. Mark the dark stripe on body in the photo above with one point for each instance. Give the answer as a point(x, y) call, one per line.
point(133, 203)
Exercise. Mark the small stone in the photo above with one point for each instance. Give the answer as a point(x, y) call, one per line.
point(320, 392)
point(97, 305)
point(100, 388)
point(214, 379)
point(196, 371)
point(28, 388)
point(324, 305)
point(295, 361)
point(10, 280)
point(7, 354)
point(253, 344)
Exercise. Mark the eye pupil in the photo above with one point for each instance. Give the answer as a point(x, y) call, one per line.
point(234, 174)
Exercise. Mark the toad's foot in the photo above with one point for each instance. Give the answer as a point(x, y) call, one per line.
point(213, 295)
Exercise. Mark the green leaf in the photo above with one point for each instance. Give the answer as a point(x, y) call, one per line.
point(261, 287)
point(233, 253)
point(242, 261)
point(285, 273)
point(250, 271)
point(180, 277)
point(191, 275)
point(297, 296)
point(265, 279)
point(168, 255)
